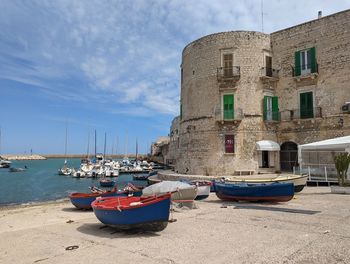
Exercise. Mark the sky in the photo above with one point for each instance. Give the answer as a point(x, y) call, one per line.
point(111, 66)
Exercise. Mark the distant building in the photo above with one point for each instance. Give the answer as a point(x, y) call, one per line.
point(248, 99)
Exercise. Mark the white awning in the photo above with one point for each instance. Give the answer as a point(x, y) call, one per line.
point(329, 144)
point(267, 145)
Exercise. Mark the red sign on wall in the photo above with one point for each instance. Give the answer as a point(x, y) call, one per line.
point(229, 144)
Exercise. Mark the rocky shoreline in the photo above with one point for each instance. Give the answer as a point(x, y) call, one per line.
point(23, 157)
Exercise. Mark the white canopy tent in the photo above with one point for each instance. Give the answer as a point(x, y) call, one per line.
point(339, 143)
point(317, 158)
point(267, 145)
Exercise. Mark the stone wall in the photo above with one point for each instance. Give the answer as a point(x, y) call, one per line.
point(202, 132)
point(331, 87)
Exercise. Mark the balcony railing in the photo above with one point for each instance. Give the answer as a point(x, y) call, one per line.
point(228, 73)
point(269, 73)
point(305, 113)
point(228, 115)
point(305, 69)
point(272, 116)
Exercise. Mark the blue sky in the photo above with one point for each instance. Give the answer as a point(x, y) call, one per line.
point(112, 66)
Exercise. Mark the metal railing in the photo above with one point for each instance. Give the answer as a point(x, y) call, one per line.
point(228, 115)
point(269, 72)
point(294, 114)
point(272, 116)
point(318, 173)
point(228, 72)
point(305, 69)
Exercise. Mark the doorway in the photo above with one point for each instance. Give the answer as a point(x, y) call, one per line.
point(265, 159)
point(289, 156)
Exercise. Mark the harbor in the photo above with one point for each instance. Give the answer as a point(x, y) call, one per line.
point(311, 228)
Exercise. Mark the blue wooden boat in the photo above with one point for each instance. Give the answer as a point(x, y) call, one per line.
point(84, 200)
point(274, 192)
point(107, 183)
point(146, 213)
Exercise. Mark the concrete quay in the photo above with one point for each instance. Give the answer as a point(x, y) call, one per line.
point(311, 228)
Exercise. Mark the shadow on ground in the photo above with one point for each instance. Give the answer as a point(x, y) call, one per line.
point(101, 230)
point(277, 209)
point(76, 210)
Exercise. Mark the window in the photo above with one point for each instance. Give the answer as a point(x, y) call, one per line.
point(305, 62)
point(228, 103)
point(228, 65)
point(271, 111)
point(180, 110)
point(306, 105)
point(229, 144)
point(268, 66)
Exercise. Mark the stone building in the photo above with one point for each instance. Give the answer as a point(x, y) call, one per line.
point(248, 99)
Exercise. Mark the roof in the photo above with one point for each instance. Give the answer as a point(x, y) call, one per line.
point(328, 144)
point(267, 145)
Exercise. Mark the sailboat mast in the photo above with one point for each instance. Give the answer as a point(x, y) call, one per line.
point(88, 146)
point(104, 148)
point(95, 143)
point(65, 145)
point(137, 148)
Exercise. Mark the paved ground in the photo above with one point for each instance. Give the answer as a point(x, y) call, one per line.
point(312, 228)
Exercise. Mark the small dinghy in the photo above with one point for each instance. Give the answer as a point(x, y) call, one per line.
point(17, 169)
point(84, 200)
point(274, 192)
point(146, 213)
point(107, 183)
point(203, 189)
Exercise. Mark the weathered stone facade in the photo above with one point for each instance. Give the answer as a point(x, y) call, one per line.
point(198, 136)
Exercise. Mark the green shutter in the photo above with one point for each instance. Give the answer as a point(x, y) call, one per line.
point(313, 60)
point(265, 107)
point(275, 110)
point(306, 105)
point(228, 106)
point(180, 111)
point(297, 69)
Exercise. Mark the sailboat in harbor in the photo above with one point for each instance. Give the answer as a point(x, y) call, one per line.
point(3, 163)
point(65, 170)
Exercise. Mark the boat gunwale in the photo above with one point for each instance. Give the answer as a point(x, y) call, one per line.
point(153, 200)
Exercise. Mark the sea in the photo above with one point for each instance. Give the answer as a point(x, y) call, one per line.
point(41, 182)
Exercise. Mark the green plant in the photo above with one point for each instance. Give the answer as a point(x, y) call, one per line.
point(342, 162)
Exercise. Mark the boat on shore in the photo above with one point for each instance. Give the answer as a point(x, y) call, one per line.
point(254, 192)
point(84, 200)
point(180, 191)
point(146, 213)
point(299, 181)
point(203, 189)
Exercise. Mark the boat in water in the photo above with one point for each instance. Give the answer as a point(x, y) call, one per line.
point(17, 169)
point(299, 181)
point(146, 213)
point(107, 183)
point(5, 163)
point(272, 192)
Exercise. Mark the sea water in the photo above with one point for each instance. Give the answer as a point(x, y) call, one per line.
point(41, 182)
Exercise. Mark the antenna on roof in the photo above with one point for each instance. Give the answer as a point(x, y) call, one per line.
point(262, 16)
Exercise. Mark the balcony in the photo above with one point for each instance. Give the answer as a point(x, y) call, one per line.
point(269, 74)
point(297, 114)
point(228, 74)
point(271, 116)
point(307, 71)
point(228, 116)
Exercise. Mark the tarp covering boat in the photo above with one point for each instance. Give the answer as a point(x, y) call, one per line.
point(181, 191)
